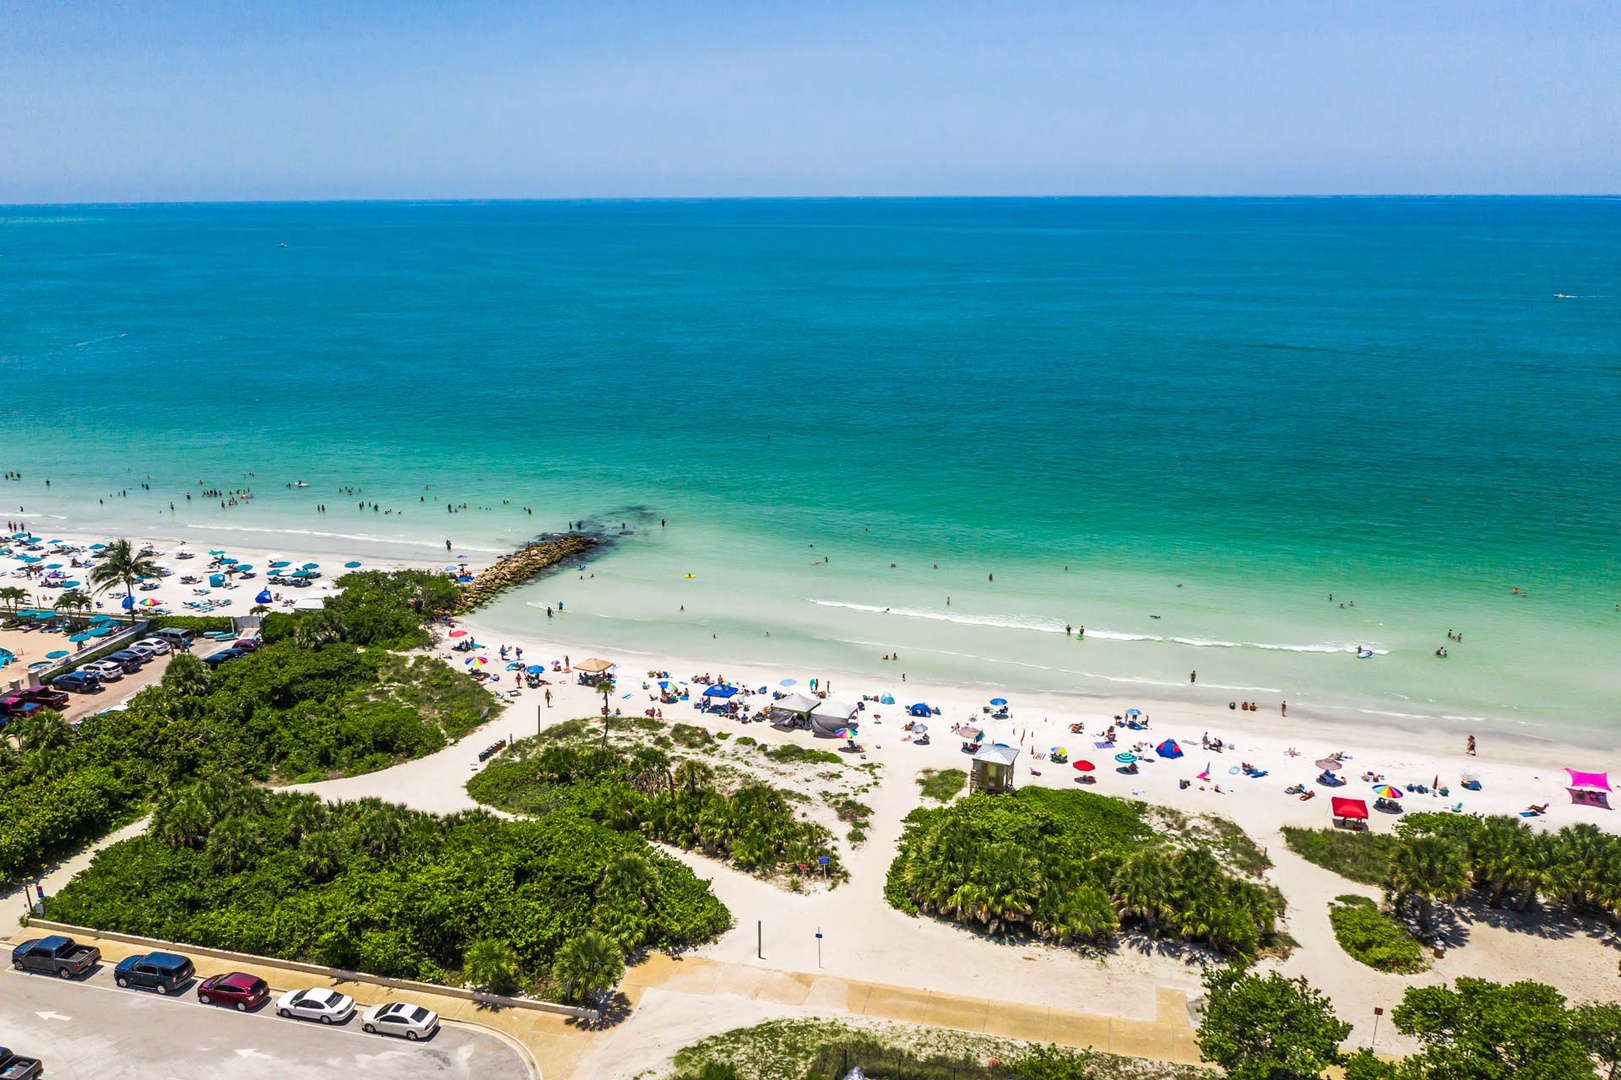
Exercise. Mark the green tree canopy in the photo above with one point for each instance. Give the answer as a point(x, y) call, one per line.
point(1268, 1027)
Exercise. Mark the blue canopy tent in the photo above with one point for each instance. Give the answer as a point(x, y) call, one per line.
point(216, 580)
point(1168, 749)
point(720, 691)
point(264, 597)
point(920, 709)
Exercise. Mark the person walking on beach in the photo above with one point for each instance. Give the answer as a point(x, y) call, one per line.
point(1283, 707)
point(1470, 748)
point(548, 699)
point(1193, 676)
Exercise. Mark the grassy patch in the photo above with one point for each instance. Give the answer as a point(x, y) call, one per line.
point(1373, 938)
point(794, 754)
point(1223, 836)
point(1360, 856)
point(829, 1049)
point(691, 736)
point(942, 785)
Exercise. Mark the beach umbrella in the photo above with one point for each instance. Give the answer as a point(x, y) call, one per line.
point(1084, 766)
point(85, 636)
point(53, 566)
point(720, 691)
point(278, 563)
point(241, 567)
point(310, 566)
point(229, 560)
point(214, 551)
point(479, 660)
point(127, 603)
point(104, 629)
point(919, 728)
point(70, 584)
point(1134, 712)
point(998, 701)
point(264, 597)
point(1126, 758)
point(539, 669)
point(1385, 791)
point(458, 633)
point(789, 682)
point(1057, 750)
point(1330, 764)
point(351, 565)
point(56, 654)
point(98, 547)
point(845, 733)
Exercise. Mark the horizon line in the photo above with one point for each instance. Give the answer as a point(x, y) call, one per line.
point(504, 199)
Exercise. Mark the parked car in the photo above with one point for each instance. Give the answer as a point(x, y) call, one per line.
point(17, 1067)
point(56, 955)
point(80, 682)
point(130, 662)
point(105, 670)
point(320, 1003)
point(174, 635)
point(146, 652)
point(238, 988)
point(160, 971)
point(401, 1018)
point(46, 697)
point(15, 707)
point(216, 659)
point(156, 644)
point(248, 644)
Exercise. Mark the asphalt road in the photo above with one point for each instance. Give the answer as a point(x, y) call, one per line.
point(95, 1031)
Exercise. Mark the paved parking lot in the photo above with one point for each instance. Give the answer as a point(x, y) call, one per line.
point(92, 1029)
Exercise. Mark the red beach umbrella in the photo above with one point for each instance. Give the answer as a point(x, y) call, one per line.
point(458, 633)
point(1084, 766)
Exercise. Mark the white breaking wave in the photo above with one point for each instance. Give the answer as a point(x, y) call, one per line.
point(1052, 626)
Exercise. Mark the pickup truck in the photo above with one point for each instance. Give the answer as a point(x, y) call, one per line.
point(15, 1067)
point(55, 955)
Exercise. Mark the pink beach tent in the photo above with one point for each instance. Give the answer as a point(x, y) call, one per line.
point(1598, 780)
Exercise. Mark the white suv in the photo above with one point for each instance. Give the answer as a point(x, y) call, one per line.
point(156, 644)
point(105, 670)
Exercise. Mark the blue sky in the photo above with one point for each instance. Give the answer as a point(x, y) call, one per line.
point(294, 100)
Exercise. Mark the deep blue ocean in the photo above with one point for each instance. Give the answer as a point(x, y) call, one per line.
point(1216, 411)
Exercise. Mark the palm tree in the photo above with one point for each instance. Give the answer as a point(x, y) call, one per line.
point(322, 854)
point(186, 676)
point(318, 628)
point(693, 775)
point(13, 596)
point(73, 602)
point(232, 843)
point(182, 820)
point(121, 564)
point(628, 877)
point(589, 965)
point(381, 828)
point(1426, 869)
point(306, 818)
point(492, 964)
point(606, 689)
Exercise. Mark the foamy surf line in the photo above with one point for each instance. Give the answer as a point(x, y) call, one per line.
point(1050, 626)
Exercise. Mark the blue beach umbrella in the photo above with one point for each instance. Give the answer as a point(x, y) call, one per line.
point(243, 567)
point(310, 566)
point(127, 603)
point(216, 551)
point(229, 560)
point(351, 565)
point(56, 654)
point(277, 563)
point(70, 584)
point(535, 669)
point(98, 547)
point(264, 597)
point(720, 691)
point(53, 566)
point(789, 682)
point(85, 636)
point(104, 629)
point(998, 701)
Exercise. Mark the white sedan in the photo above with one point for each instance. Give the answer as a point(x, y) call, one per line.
point(401, 1018)
point(156, 644)
point(327, 1006)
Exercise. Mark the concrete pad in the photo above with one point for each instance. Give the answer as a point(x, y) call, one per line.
point(829, 993)
point(964, 1014)
point(898, 1003)
point(1080, 1031)
point(1028, 1023)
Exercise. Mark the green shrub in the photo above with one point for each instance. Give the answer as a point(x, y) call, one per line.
point(794, 754)
point(397, 892)
point(1358, 855)
point(942, 785)
point(1373, 938)
point(1070, 867)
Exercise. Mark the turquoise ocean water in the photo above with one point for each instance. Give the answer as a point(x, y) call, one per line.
point(1217, 412)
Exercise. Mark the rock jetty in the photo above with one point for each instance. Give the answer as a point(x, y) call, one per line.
point(521, 565)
